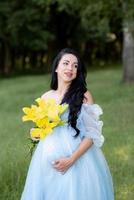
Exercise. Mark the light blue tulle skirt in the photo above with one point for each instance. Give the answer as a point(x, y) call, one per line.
point(88, 178)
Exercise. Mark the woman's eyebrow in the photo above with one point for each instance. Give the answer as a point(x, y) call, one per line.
point(69, 61)
point(66, 60)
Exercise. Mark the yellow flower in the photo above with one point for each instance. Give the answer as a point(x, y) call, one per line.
point(40, 133)
point(41, 103)
point(43, 123)
point(45, 115)
point(30, 113)
point(62, 108)
point(55, 110)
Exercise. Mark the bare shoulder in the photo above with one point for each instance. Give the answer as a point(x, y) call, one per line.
point(46, 94)
point(88, 98)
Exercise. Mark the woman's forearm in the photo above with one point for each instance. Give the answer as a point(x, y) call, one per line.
point(83, 147)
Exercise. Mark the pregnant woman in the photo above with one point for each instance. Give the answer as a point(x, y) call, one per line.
point(69, 163)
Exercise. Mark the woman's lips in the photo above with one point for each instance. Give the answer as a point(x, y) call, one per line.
point(68, 74)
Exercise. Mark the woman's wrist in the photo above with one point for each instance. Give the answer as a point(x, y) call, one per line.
point(83, 147)
point(73, 158)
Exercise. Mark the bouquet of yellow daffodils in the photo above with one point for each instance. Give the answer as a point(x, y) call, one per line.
point(45, 115)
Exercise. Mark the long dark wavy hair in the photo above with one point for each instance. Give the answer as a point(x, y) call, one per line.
point(75, 93)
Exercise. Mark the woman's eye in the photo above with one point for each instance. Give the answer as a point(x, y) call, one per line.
point(76, 66)
point(65, 63)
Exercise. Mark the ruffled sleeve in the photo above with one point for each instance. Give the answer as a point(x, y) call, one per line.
point(89, 123)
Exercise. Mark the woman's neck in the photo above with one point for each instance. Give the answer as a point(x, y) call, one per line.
point(62, 88)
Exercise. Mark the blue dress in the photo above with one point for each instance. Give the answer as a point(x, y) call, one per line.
point(88, 178)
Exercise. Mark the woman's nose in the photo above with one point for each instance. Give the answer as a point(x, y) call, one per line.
point(70, 66)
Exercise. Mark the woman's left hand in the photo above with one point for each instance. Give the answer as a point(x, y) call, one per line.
point(63, 164)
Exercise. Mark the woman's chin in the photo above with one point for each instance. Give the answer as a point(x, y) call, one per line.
point(68, 79)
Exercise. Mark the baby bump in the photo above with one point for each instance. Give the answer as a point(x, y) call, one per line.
point(60, 143)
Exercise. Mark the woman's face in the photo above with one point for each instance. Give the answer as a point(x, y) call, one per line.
point(67, 67)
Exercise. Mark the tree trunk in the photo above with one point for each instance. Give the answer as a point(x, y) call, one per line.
point(128, 44)
point(7, 69)
point(128, 55)
point(2, 58)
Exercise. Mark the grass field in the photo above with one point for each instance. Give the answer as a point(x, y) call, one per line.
point(117, 101)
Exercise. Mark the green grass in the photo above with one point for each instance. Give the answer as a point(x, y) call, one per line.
point(117, 101)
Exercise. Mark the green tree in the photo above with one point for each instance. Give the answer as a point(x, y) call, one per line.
point(24, 28)
point(36, 28)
